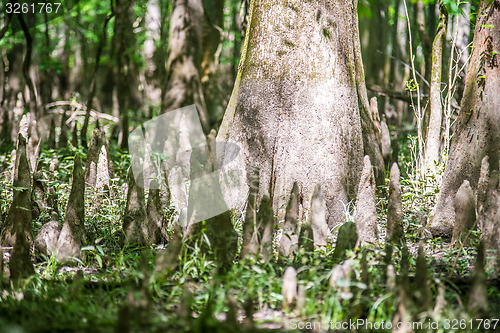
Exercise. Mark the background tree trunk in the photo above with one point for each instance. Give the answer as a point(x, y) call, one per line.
point(295, 108)
point(478, 130)
point(424, 38)
point(212, 27)
point(433, 145)
point(123, 42)
point(183, 85)
point(463, 34)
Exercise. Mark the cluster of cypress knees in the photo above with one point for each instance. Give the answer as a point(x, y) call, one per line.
point(144, 224)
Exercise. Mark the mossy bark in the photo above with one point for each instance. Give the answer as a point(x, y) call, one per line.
point(477, 303)
point(20, 261)
point(290, 237)
point(488, 208)
point(72, 236)
point(250, 240)
point(465, 215)
point(295, 108)
point(346, 240)
point(432, 149)
point(366, 210)
point(477, 131)
point(156, 217)
point(183, 82)
point(96, 143)
point(395, 230)
point(19, 215)
point(17, 231)
point(135, 223)
point(219, 229)
point(317, 217)
point(265, 225)
point(212, 27)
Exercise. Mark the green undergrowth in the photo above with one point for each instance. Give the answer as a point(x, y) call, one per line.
point(89, 297)
point(117, 287)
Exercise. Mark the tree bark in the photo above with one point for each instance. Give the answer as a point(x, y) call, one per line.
point(478, 128)
point(377, 43)
point(424, 38)
point(212, 27)
point(127, 82)
point(432, 151)
point(20, 214)
point(33, 105)
point(295, 109)
point(73, 236)
point(183, 82)
point(462, 40)
point(92, 89)
point(369, 119)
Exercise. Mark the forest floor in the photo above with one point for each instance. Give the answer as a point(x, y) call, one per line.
point(116, 289)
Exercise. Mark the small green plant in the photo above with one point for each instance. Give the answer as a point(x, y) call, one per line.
point(49, 268)
point(95, 253)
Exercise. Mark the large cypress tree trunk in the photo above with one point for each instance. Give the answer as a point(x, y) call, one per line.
point(478, 129)
point(295, 108)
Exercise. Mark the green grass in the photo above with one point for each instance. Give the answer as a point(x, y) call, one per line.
point(116, 280)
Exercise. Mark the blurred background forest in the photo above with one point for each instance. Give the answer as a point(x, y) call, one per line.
point(115, 60)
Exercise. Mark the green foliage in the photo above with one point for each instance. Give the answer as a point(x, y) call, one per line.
point(88, 296)
point(113, 275)
point(452, 6)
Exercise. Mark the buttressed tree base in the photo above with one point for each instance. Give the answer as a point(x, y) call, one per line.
point(295, 110)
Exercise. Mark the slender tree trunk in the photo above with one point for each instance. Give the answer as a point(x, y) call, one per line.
point(244, 13)
point(161, 52)
point(92, 90)
point(26, 67)
point(64, 75)
point(462, 43)
point(81, 72)
point(183, 82)
point(295, 109)
point(152, 44)
point(122, 40)
point(212, 27)
point(46, 74)
point(236, 27)
point(433, 151)
point(424, 38)
point(12, 86)
point(431, 19)
point(478, 129)
point(377, 43)
point(395, 52)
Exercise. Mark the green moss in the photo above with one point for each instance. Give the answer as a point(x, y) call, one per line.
point(288, 43)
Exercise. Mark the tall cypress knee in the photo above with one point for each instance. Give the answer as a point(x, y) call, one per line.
point(318, 217)
point(135, 226)
point(19, 215)
point(250, 241)
point(395, 231)
point(72, 236)
point(366, 211)
point(265, 222)
point(290, 238)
